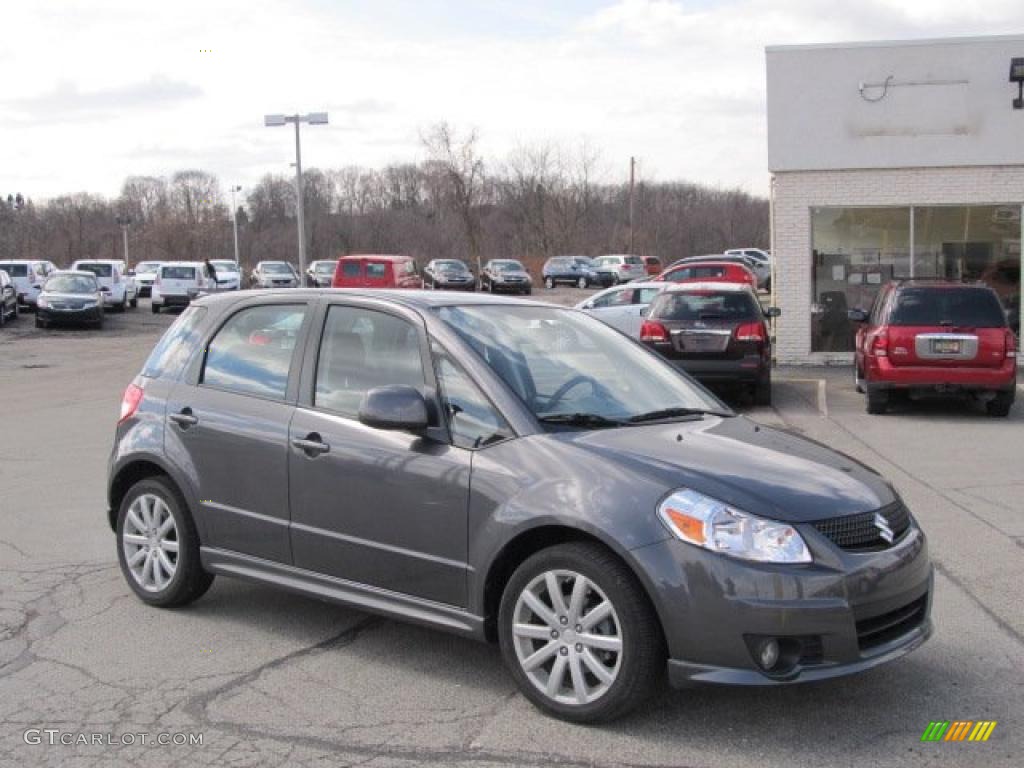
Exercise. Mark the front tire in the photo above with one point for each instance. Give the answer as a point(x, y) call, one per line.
point(158, 547)
point(579, 635)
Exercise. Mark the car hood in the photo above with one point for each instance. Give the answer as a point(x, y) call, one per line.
point(764, 471)
point(511, 273)
point(448, 274)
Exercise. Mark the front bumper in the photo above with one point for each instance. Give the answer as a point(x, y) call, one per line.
point(712, 605)
point(511, 287)
point(883, 374)
point(70, 316)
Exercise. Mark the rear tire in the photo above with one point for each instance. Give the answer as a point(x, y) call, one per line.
point(877, 400)
point(189, 581)
point(629, 673)
point(763, 391)
point(1000, 405)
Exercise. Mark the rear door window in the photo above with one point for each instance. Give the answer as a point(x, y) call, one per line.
point(955, 307)
point(351, 269)
point(252, 352)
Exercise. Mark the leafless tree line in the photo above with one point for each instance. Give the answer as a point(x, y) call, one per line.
point(540, 201)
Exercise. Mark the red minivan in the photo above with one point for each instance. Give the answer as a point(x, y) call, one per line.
point(927, 336)
point(372, 270)
point(709, 271)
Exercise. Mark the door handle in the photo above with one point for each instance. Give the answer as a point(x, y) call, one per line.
point(312, 445)
point(184, 419)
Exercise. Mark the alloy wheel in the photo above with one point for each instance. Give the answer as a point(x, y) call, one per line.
point(150, 542)
point(567, 637)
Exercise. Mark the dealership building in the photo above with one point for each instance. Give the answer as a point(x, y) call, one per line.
point(891, 160)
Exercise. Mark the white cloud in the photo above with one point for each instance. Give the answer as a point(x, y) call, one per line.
point(116, 88)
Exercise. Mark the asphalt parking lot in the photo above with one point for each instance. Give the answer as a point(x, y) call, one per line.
point(267, 677)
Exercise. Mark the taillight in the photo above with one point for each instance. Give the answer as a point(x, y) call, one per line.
point(130, 402)
point(652, 331)
point(879, 346)
point(1011, 344)
point(750, 332)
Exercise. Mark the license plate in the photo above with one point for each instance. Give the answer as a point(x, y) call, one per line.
point(946, 346)
point(702, 344)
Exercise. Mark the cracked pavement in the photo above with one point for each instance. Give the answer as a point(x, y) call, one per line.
point(271, 678)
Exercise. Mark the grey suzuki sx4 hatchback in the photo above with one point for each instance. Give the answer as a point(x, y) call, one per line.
point(514, 472)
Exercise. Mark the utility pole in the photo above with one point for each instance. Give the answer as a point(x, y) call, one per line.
point(234, 218)
point(632, 188)
point(123, 222)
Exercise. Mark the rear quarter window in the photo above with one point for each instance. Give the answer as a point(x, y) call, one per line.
point(172, 352)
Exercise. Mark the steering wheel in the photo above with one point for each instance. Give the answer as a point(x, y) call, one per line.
point(571, 384)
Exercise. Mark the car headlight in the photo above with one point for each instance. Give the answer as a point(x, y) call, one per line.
point(714, 525)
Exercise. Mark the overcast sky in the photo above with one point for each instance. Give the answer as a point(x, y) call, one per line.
point(96, 91)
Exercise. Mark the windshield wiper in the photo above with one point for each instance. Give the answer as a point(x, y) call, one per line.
point(580, 420)
point(675, 413)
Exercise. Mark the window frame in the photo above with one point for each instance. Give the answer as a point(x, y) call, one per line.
point(197, 363)
point(306, 384)
point(439, 390)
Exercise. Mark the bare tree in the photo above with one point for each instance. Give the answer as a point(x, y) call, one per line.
point(457, 160)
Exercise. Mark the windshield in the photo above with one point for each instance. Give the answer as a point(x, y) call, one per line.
point(276, 268)
point(224, 266)
point(70, 284)
point(563, 362)
point(960, 307)
point(100, 270)
point(507, 266)
point(450, 265)
point(324, 267)
point(703, 305)
point(584, 262)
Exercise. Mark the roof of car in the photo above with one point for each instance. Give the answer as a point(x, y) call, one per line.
point(918, 282)
point(74, 272)
point(710, 285)
point(415, 299)
point(181, 263)
point(378, 256)
point(99, 261)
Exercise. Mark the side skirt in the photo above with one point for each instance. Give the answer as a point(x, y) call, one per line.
point(347, 593)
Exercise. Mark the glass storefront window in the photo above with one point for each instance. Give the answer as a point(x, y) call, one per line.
point(857, 250)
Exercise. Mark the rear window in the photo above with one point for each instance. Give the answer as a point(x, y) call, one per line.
point(961, 307)
point(700, 273)
point(100, 270)
point(178, 273)
point(172, 352)
point(350, 268)
point(633, 260)
point(15, 270)
point(709, 305)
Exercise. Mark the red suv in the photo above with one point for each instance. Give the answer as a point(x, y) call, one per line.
point(376, 271)
point(709, 271)
point(925, 337)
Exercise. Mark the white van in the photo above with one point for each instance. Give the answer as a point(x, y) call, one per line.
point(119, 290)
point(177, 283)
point(28, 276)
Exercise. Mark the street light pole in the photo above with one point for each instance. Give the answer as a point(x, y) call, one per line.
point(234, 218)
point(313, 118)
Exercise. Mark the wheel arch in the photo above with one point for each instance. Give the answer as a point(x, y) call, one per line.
point(533, 540)
point(129, 475)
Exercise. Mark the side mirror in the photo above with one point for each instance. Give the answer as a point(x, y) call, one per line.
point(857, 315)
point(772, 312)
point(394, 407)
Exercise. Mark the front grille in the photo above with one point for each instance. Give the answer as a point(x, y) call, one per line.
point(859, 533)
point(879, 630)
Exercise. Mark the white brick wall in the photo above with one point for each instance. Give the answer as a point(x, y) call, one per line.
point(796, 192)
